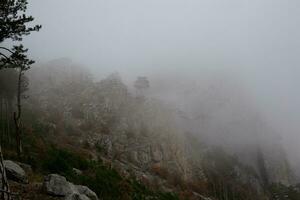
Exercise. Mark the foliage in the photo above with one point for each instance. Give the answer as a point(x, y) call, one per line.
point(283, 192)
point(13, 20)
point(106, 182)
point(62, 161)
point(13, 25)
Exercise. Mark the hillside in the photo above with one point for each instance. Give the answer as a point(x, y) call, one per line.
point(127, 145)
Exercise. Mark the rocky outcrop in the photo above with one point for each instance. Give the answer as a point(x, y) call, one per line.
point(15, 172)
point(57, 185)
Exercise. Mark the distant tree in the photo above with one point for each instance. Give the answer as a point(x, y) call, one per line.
point(113, 95)
point(13, 25)
point(141, 84)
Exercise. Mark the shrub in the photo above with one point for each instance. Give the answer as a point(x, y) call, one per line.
point(62, 161)
point(108, 184)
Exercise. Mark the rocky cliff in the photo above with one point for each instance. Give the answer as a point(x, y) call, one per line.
point(146, 138)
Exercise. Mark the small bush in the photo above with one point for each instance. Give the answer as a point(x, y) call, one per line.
point(62, 161)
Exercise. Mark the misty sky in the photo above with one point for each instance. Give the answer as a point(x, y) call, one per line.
point(258, 38)
point(144, 34)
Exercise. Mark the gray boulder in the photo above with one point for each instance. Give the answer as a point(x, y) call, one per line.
point(76, 196)
point(87, 192)
point(27, 168)
point(57, 185)
point(15, 172)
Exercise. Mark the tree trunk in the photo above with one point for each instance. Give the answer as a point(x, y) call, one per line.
point(17, 116)
point(1, 120)
point(6, 135)
point(10, 122)
point(5, 191)
point(8, 118)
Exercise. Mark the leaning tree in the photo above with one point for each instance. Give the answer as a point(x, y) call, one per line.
point(13, 27)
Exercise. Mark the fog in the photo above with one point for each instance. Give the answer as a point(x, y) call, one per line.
point(252, 46)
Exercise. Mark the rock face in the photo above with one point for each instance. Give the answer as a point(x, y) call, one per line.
point(15, 172)
point(57, 185)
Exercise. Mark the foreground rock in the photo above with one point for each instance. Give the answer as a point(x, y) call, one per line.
point(76, 196)
point(57, 185)
point(87, 192)
point(15, 172)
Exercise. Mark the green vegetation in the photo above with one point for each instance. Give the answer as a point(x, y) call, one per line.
point(106, 182)
point(282, 192)
point(62, 161)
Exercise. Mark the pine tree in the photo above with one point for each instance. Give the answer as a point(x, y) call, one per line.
point(13, 26)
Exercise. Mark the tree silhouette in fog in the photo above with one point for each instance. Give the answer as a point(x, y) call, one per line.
point(13, 26)
point(141, 84)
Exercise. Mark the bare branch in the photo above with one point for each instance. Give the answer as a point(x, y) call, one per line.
point(7, 49)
